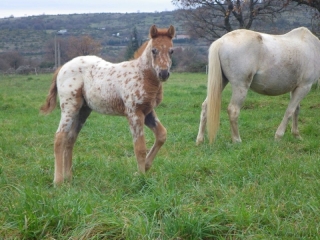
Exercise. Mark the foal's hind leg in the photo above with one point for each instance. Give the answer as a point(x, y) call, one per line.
point(59, 146)
point(77, 124)
point(203, 122)
point(73, 116)
point(160, 133)
point(292, 110)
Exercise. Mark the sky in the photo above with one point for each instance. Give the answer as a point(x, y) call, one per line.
point(22, 8)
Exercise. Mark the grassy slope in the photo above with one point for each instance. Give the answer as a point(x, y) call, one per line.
point(260, 189)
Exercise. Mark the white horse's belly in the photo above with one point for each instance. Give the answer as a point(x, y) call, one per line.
point(272, 86)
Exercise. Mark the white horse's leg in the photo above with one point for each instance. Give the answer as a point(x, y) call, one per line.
point(238, 96)
point(203, 122)
point(160, 134)
point(294, 129)
point(136, 123)
point(292, 110)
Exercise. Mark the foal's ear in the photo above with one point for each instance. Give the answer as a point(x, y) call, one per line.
point(171, 31)
point(153, 31)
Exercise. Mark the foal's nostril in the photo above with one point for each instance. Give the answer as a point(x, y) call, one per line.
point(164, 74)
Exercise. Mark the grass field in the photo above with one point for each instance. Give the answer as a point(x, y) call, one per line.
point(259, 189)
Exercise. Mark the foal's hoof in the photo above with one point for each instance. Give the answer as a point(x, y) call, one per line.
point(57, 184)
point(236, 140)
point(138, 174)
point(148, 166)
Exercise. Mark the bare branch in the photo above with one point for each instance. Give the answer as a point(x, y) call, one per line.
point(210, 19)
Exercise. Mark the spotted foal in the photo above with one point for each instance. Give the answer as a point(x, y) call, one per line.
point(131, 89)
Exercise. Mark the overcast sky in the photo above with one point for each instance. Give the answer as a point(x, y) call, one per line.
point(21, 8)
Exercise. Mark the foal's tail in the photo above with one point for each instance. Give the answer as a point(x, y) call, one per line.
point(51, 100)
point(214, 90)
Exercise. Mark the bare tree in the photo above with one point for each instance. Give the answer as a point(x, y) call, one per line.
point(210, 19)
point(72, 47)
point(3, 64)
point(312, 3)
point(12, 59)
point(51, 48)
point(82, 46)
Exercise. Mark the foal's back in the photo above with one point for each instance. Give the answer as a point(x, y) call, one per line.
point(100, 83)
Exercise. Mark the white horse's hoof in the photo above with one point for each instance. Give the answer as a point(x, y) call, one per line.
point(199, 141)
point(277, 137)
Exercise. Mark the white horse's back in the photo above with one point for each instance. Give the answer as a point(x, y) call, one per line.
point(272, 64)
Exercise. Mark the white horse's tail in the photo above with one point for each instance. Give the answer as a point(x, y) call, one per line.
point(214, 90)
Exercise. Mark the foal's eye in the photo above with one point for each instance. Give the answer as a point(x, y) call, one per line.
point(171, 51)
point(154, 51)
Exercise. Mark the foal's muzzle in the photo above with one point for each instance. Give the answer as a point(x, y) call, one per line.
point(164, 75)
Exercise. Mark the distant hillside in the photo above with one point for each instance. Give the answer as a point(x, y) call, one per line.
point(28, 35)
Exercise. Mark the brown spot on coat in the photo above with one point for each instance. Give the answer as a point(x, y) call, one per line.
point(259, 37)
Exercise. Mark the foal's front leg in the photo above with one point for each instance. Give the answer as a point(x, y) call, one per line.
point(160, 134)
point(136, 122)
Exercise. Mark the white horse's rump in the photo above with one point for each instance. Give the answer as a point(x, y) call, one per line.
point(268, 64)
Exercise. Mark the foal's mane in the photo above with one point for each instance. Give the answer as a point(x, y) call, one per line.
point(141, 49)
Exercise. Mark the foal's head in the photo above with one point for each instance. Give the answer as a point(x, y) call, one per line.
point(161, 50)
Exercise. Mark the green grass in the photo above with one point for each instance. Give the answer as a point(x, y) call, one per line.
point(259, 189)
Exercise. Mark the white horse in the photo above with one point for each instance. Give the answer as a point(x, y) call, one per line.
point(131, 89)
point(268, 64)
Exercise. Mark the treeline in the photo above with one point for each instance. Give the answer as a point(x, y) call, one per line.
point(29, 41)
point(56, 52)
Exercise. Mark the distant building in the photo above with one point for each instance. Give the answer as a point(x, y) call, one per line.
point(182, 36)
point(62, 32)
